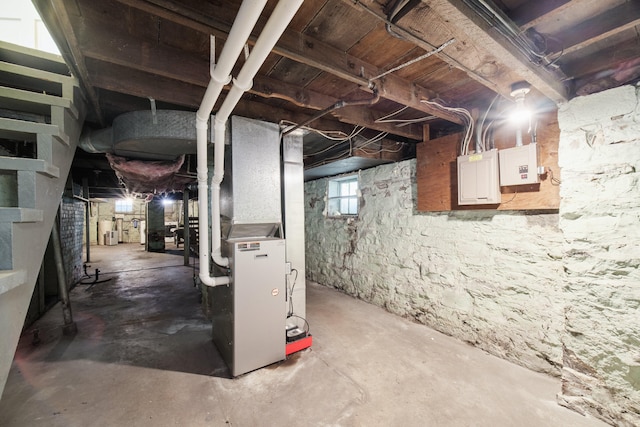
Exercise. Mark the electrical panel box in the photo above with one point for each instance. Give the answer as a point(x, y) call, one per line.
point(519, 165)
point(478, 179)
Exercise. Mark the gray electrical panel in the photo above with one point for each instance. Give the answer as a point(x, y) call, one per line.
point(519, 165)
point(478, 179)
point(249, 314)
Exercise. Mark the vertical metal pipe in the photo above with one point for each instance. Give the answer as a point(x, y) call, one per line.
point(70, 326)
point(185, 228)
point(41, 289)
point(87, 217)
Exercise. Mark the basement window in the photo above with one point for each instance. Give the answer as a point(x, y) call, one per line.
point(342, 195)
point(124, 206)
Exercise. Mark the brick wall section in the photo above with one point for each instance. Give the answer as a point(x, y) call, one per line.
point(72, 229)
point(491, 278)
point(599, 154)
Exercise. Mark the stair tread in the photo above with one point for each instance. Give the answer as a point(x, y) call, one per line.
point(32, 102)
point(35, 73)
point(10, 279)
point(34, 58)
point(20, 129)
point(20, 215)
point(36, 165)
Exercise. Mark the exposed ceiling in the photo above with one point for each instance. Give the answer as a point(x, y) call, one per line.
point(458, 53)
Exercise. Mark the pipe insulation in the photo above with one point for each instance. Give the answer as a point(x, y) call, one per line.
point(272, 31)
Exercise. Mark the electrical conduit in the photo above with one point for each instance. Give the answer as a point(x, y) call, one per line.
point(278, 22)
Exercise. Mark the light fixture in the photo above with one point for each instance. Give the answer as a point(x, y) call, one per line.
point(521, 114)
point(167, 202)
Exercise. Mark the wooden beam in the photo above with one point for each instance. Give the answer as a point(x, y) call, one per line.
point(307, 50)
point(475, 34)
point(607, 59)
point(601, 27)
point(116, 78)
point(109, 45)
point(528, 13)
point(479, 49)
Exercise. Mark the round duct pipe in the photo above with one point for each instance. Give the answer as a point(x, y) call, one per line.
point(148, 135)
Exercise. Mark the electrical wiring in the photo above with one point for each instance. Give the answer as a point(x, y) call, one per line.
point(402, 122)
point(466, 117)
point(485, 132)
point(374, 139)
point(554, 180)
point(391, 16)
point(356, 131)
point(479, 131)
point(347, 153)
point(306, 323)
point(339, 104)
point(383, 118)
point(413, 61)
point(382, 150)
point(291, 289)
point(324, 133)
point(291, 312)
point(511, 199)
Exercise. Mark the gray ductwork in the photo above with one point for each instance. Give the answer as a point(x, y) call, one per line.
point(146, 135)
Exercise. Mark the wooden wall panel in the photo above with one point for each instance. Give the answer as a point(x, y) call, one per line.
point(437, 172)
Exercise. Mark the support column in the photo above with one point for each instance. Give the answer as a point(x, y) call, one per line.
point(186, 229)
point(87, 217)
point(155, 225)
point(70, 327)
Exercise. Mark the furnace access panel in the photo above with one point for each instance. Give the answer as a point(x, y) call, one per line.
point(249, 315)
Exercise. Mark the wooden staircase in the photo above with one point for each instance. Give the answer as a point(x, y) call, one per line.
point(41, 117)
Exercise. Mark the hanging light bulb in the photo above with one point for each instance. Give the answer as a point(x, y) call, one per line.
point(521, 114)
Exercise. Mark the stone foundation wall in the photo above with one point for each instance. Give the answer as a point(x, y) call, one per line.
point(555, 293)
point(494, 279)
point(599, 155)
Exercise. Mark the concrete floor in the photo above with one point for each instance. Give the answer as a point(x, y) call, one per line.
point(143, 357)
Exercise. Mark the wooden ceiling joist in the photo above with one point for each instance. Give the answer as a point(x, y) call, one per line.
point(608, 24)
point(479, 50)
point(312, 52)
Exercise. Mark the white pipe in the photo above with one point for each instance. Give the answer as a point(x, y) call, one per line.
point(278, 22)
point(246, 19)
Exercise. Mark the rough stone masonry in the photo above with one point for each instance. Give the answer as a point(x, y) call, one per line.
point(554, 293)
point(491, 278)
point(599, 153)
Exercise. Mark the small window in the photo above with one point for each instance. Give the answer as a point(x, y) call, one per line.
point(124, 206)
point(343, 196)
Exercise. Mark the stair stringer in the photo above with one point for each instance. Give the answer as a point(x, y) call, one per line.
point(29, 238)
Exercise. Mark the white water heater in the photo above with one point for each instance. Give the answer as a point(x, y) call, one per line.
point(111, 238)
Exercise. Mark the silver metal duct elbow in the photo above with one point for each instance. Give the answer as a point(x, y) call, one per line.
point(97, 141)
